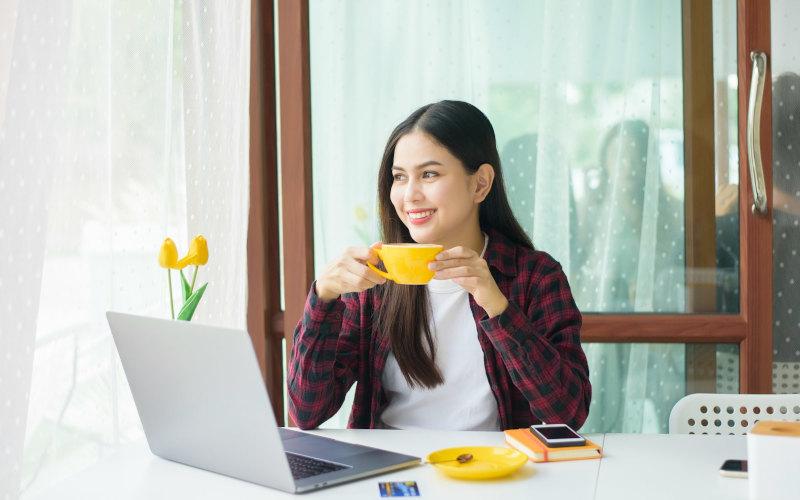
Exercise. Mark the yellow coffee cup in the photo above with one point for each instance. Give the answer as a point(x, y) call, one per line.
point(407, 263)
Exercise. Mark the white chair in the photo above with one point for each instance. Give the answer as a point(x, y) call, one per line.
point(730, 413)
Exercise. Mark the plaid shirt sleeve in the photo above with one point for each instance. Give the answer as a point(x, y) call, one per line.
point(539, 343)
point(324, 360)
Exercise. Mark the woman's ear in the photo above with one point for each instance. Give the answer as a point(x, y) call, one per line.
point(484, 177)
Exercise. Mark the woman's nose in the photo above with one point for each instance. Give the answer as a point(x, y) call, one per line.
point(412, 192)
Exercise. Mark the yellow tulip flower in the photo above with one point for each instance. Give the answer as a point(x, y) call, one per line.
point(199, 248)
point(197, 254)
point(168, 257)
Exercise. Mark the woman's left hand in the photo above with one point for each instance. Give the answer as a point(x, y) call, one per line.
point(465, 267)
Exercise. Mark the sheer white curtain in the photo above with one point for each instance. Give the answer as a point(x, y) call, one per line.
point(586, 101)
point(122, 123)
point(23, 184)
point(371, 69)
point(630, 225)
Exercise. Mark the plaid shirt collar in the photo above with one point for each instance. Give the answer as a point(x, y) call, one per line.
point(501, 253)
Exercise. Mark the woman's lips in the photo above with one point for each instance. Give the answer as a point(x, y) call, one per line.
point(421, 217)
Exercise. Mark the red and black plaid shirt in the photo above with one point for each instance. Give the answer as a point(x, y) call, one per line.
point(534, 362)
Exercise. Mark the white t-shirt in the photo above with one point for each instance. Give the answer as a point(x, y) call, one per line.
point(465, 400)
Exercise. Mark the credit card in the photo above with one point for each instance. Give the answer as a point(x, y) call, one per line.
point(399, 489)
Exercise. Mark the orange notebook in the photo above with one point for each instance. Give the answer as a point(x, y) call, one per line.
point(526, 442)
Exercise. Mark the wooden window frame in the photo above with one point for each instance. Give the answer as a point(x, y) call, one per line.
point(751, 328)
point(264, 315)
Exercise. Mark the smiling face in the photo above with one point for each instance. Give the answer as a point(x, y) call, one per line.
point(433, 194)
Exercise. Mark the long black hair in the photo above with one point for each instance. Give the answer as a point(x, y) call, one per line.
point(468, 135)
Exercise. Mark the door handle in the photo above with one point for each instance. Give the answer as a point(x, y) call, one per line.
point(756, 168)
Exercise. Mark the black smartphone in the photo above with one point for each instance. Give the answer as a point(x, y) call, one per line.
point(557, 435)
point(734, 468)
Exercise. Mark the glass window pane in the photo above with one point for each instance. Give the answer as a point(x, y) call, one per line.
point(589, 124)
point(786, 197)
point(726, 161)
point(635, 386)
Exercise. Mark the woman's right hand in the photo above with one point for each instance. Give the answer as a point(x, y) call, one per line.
point(349, 273)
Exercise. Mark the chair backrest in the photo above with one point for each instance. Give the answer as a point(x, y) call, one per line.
point(785, 377)
point(730, 413)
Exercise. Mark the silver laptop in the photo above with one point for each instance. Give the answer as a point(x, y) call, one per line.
point(202, 402)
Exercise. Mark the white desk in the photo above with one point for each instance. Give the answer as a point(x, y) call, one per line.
point(635, 466)
point(680, 466)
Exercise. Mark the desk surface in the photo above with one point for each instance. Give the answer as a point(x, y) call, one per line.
point(635, 466)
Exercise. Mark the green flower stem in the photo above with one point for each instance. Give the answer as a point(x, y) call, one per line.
point(169, 285)
point(191, 289)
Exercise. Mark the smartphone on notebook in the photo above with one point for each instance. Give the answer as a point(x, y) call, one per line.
point(557, 435)
point(734, 468)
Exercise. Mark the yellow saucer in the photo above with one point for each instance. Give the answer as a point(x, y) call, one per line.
point(487, 461)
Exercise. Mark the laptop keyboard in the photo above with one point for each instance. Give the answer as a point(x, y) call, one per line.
point(303, 467)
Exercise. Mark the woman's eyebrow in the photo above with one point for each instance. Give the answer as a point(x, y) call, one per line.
point(421, 165)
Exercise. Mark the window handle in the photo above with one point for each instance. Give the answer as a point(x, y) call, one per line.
point(759, 60)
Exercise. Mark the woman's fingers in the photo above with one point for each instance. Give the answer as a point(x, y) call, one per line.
point(446, 264)
point(356, 282)
point(363, 272)
point(349, 272)
point(365, 254)
point(455, 272)
point(456, 253)
point(373, 253)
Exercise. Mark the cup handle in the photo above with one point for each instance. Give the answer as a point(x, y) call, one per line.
point(382, 273)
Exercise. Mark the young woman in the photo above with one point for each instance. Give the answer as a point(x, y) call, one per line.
point(492, 342)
